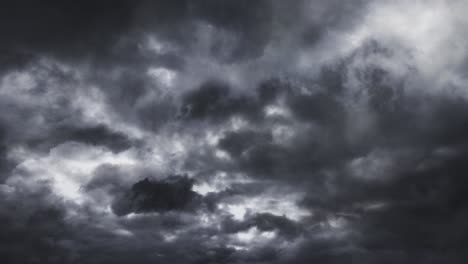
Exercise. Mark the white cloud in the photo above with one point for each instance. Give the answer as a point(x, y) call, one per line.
point(68, 167)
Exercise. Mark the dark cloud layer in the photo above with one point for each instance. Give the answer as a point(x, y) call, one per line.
point(233, 131)
point(99, 30)
point(99, 135)
point(5, 163)
point(34, 223)
point(62, 28)
point(174, 193)
point(214, 101)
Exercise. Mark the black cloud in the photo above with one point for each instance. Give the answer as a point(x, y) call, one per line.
point(6, 164)
point(213, 100)
point(63, 28)
point(173, 193)
point(99, 135)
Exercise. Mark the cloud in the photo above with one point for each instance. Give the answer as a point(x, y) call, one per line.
point(174, 193)
point(99, 135)
point(6, 164)
point(36, 225)
point(213, 101)
point(294, 131)
point(265, 222)
point(59, 28)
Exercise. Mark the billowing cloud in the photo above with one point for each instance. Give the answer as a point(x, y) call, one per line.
point(265, 131)
point(174, 193)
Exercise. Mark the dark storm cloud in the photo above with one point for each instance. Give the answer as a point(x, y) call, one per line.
point(397, 119)
point(99, 135)
point(251, 20)
point(310, 20)
point(40, 226)
point(416, 211)
point(425, 214)
point(213, 100)
point(327, 102)
point(71, 30)
point(6, 164)
point(63, 28)
point(236, 143)
point(173, 193)
point(421, 216)
point(34, 223)
point(311, 149)
point(321, 108)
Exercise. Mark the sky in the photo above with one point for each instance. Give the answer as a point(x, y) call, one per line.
point(233, 131)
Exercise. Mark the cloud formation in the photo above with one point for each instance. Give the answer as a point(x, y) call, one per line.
point(300, 131)
point(148, 196)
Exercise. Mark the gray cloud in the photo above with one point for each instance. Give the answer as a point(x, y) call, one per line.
point(297, 131)
point(174, 193)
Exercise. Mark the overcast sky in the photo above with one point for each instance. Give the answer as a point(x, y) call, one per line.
point(233, 131)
